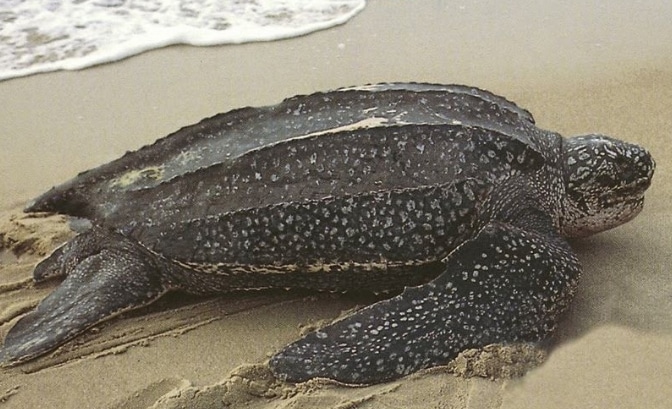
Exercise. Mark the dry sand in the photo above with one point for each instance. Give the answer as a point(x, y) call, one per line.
point(577, 68)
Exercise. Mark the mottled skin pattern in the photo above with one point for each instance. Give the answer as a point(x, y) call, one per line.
point(450, 197)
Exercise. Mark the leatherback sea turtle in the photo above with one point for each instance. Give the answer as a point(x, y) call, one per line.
point(448, 195)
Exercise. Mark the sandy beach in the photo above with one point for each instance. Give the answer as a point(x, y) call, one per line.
point(578, 68)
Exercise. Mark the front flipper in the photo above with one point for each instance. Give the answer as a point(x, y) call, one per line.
point(107, 274)
point(505, 285)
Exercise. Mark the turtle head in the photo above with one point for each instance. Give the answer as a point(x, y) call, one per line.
point(605, 181)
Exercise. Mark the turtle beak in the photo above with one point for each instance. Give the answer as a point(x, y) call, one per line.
point(637, 176)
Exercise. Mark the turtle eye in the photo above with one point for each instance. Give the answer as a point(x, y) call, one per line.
point(625, 170)
point(605, 180)
point(626, 174)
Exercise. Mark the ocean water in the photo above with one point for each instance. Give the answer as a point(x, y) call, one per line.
point(48, 35)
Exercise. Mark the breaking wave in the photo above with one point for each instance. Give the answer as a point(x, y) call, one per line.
point(48, 35)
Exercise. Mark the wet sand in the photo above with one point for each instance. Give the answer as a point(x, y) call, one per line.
point(577, 69)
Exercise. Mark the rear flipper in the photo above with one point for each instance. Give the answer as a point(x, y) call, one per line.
point(107, 274)
point(505, 285)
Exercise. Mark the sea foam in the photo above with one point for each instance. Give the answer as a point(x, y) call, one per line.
point(48, 35)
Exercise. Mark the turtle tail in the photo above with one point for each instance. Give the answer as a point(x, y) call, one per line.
point(61, 199)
